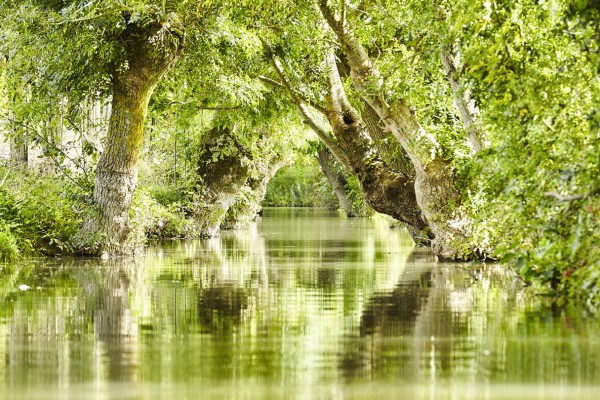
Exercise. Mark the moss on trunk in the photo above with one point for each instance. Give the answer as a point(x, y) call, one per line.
point(247, 204)
point(150, 51)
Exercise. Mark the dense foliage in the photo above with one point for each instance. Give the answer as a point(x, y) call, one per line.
point(534, 71)
point(299, 186)
point(488, 108)
point(37, 215)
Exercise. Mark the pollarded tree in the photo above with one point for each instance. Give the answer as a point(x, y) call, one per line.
point(234, 166)
point(248, 202)
point(274, 138)
point(114, 47)
point(243, 131)
point(223, 170)
point(295, 40)
point(436, 184)
point(150, 49)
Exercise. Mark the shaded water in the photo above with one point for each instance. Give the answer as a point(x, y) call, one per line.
point(304, 305)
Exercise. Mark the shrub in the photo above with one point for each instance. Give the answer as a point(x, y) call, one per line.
point(41, 213)
point(154, 220)
point(9, 248)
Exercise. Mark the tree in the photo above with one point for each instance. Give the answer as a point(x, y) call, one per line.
point(122, 48)
point(385, 190)
point(247, 204)
point(149, 51)
point(475, 123)
point(223, 170)
point(435, 186)
point(533, 69)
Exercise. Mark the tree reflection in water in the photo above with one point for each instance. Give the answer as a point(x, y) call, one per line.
point(297, 302)
point(221, 308)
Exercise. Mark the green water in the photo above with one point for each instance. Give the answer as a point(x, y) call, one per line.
point(304, 305)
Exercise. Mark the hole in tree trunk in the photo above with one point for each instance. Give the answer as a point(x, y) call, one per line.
point(347, 118)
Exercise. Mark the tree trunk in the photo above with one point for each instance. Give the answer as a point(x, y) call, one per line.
point(150, 52)
point(462, 99)
point(220, 181)
point(336, 179)
point(19, 148)
point(435, 185)
point(247, 205)
point(19, 152)
point(392, 153)
point(388, 148)
point(385, 190)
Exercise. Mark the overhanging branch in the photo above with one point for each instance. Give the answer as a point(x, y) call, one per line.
point(307, 118)
point(300, 96)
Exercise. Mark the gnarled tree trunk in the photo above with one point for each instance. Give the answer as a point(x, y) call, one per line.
point(388, 148)
point(247, 204)
point(150, 52)
point(385, 190)
point(392, 153)
point(221, 179)
point(435, 185)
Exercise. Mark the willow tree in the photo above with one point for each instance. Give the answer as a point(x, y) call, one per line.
point(436, 184)
point(121, 49)
point(239, 132)
point(295, 42)
point(149, 50)
point(532, 70)
point(273, 139)
point(346, 135)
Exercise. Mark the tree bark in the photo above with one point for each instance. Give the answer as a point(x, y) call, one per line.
point(220, 181)
point(385, 190)
point(247, 205)
point(336, 179)
point(387, 146)
point(19, 152)
point(462, 99)
point(435, 185)
point(150, 51)
point(389, 149)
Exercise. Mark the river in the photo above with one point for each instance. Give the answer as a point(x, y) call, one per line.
point(305, 304)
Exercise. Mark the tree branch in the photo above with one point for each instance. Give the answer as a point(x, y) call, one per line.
point(271, 82)
point(329, 16)
point(562, 197)
point(300, 96)
point(307, 118)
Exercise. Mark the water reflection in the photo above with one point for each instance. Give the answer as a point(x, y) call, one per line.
point(304, 305)
point(221, 308)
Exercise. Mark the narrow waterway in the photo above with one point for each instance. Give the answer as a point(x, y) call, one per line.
point(304, 305)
